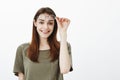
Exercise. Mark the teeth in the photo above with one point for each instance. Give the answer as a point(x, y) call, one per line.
point(45, 32)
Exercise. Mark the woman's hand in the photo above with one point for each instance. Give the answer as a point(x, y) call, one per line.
point(63, 24)
point(21, 76)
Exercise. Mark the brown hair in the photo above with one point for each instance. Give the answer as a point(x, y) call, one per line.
point(33, 49)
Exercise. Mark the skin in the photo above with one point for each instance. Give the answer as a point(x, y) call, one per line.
point(45, 26)
point(64, 58)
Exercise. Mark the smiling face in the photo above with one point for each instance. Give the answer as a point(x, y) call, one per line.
point(45, 25)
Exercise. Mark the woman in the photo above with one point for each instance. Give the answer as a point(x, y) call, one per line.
point(45, 58)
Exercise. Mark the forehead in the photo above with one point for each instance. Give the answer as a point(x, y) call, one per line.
point(46, 16)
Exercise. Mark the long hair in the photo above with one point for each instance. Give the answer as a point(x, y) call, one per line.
point(33, 49)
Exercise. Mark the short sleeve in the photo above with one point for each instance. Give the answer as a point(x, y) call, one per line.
point(70, 52)
point(18, 63)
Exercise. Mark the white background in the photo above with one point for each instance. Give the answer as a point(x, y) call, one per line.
point(94, 34)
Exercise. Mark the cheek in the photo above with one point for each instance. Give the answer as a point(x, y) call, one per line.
point(52, 28)
point(39, 26)
point(38, 29)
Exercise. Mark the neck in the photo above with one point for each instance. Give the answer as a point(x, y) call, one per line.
point(44, 44)
point(43, 41)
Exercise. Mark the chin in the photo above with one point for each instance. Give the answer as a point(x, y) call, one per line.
point(45, 37)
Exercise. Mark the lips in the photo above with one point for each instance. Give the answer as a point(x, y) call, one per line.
point(45, 32)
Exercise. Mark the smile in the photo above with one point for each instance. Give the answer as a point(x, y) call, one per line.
point(44, 32)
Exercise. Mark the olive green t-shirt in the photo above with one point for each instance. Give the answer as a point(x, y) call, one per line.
point(44, 70)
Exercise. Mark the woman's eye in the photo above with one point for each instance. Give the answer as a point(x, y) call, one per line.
point(41, 22)
point(50, 23)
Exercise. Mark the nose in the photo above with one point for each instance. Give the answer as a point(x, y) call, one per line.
point(46, 26)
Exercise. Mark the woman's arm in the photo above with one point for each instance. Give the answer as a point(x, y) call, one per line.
point(64, 57)
point(20, 76)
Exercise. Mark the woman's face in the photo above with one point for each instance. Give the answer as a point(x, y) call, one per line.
point(45, 25)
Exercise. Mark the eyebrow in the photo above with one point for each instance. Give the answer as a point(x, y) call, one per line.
point(44, 20)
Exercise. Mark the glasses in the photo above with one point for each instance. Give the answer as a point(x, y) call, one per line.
point(47, 17)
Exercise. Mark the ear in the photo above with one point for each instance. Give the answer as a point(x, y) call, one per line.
point(34, 23)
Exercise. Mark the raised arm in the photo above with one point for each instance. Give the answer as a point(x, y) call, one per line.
point(64, 57)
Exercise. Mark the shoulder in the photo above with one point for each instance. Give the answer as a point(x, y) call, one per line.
point(23, 45)
point(69, 45)
point(22, 49)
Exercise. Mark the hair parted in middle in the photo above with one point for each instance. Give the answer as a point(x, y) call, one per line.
point(33, 49)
